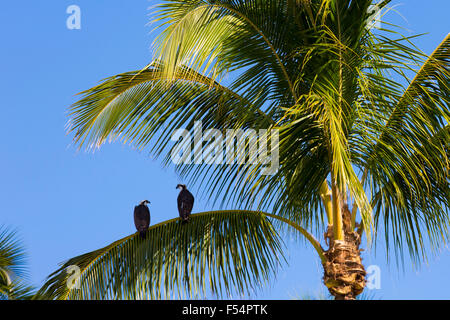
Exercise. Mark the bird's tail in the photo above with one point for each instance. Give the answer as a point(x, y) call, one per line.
point(143, 234)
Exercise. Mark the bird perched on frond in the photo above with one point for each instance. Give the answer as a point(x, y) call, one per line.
point(185, 203)
point(142, 217)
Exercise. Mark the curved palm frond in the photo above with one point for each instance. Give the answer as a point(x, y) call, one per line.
point(13, 267)
point(208, 36)
point(134, 105)
point(414, 207)
point(225, 250)
point(409, 162)
point(18, 290)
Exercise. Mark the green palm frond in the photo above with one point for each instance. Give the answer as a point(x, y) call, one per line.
point(12, 254)
point(205, 36)
point(217, 251)
point(133, 106)
point(409, 164)
point(13, 267)
point(18, 290)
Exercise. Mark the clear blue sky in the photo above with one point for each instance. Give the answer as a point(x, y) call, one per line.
point(66, 203)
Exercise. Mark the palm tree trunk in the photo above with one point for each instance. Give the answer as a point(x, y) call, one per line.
point(344, 273)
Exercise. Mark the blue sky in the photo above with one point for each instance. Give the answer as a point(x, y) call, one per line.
point(65, 203)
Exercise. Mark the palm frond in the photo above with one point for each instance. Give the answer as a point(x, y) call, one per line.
point(134, 105)
point(218, 251)
point(409, 163)
point(12, 254)
point(17, 290)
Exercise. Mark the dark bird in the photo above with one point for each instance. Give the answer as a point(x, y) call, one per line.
point(142, 217)
point(185, 203)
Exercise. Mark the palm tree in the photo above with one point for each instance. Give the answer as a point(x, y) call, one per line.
point(13, 269)
point(362, 117)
